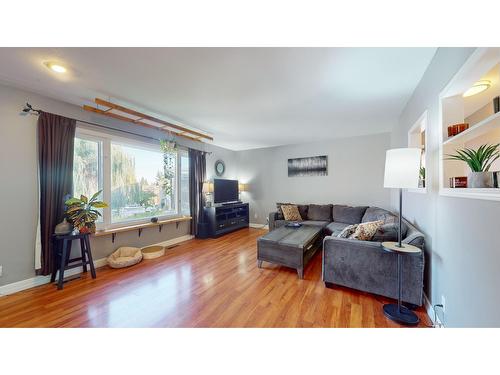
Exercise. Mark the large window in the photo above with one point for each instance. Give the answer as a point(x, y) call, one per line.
point(141, 185)
point(86, 167)
point(138, 180)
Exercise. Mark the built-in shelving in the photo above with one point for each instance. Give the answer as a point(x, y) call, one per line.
point(139, 227)
point(482, 127)
point(478, 111)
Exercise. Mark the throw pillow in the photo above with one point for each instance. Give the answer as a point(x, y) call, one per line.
point(291, 212)
point(279, 211)
point(348, 231)
point(365, 231)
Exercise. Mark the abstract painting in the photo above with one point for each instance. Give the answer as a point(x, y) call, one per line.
point(312, 166)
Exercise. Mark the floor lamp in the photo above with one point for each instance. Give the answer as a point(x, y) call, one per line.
point(402, 166)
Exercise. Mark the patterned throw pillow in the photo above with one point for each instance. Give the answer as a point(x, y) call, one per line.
point(291, 212)
point(279, 211)
point(365, 231)
point(348, 231)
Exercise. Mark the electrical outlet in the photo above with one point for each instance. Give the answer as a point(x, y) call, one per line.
point(443, 302)
point(255, 215)
point(1, 270)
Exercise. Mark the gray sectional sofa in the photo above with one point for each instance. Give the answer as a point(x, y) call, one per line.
point(364, 265)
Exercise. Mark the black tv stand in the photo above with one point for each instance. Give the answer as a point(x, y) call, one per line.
point(227, 218)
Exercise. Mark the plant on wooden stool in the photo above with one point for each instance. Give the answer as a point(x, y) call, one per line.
point(83, 212)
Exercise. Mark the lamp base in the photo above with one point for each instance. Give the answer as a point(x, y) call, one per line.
point(403, 316)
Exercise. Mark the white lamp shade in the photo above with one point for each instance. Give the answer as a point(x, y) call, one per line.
point(402, 167)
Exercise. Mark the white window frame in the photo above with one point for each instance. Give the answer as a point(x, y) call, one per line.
point(105, 140)
point(417, 126)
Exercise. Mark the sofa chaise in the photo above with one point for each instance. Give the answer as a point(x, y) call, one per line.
point(364, 265)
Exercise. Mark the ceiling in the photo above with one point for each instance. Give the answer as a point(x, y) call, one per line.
point(245, 97)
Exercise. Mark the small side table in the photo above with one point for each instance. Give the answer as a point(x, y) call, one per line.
point(398, 312)
point(63, 249)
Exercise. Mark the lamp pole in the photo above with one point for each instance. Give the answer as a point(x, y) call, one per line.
point(400, 215)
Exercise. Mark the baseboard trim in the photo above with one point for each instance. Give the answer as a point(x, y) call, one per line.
point(259, 226)
point(32, 282)
point(436, 322)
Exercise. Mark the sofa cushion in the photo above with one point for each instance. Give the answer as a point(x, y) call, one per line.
point(366, 231)
point(333, 229)
point(387, 232)
point(348, 231)
point(316, 223)
point(347, 214)
point(320, 212)
point(303, 208)
point(376, 213)
point(291, 212)
point(280, 223)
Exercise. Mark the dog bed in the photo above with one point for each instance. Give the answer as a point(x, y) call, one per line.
point(125, 257)
point(151, 252)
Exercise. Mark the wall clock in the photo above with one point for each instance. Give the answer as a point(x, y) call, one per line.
point(220, 168)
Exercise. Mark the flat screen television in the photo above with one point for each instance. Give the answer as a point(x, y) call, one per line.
point(225, 190)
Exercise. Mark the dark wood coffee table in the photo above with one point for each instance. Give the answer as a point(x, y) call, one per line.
point(290, 247)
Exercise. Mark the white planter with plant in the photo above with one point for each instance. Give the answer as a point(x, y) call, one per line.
point(479, 162)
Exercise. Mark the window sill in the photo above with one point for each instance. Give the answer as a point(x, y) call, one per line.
point(140, 227)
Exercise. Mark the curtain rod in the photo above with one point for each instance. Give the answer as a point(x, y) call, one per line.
point(28, 108)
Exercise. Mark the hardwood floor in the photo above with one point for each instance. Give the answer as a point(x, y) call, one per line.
point(200, 283)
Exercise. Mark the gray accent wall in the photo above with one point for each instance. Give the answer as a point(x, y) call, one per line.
point(463, 247)
point(355, 174)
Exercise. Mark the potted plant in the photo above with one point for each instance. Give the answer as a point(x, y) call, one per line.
point(479, 162)
point(421, 181)
point(83, 212)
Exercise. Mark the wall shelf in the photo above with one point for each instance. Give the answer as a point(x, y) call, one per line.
point(491, 194)
point(490, 123)
point(140, 227)
point(478, 110)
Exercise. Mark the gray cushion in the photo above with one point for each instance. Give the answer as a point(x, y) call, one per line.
point(320, 212)
point(376, 213)
point(387, 232)
point(347, 214)
point(280, 223)
point(303, 208)
point(315, 223)
point(334, 229)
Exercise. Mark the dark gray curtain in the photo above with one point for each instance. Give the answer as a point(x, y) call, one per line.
point(56, 138)
point(197, 172)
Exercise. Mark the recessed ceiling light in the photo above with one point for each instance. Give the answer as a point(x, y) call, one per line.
point(55, 67)
point(478, 87)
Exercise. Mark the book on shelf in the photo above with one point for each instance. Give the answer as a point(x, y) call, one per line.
point(458, 182)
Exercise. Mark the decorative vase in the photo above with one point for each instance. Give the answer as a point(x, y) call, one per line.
point(84, 229)
point(63, 227)
point(478, 180)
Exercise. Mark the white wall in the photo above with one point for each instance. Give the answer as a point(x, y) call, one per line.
point(463, 250)
point(355, 175)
